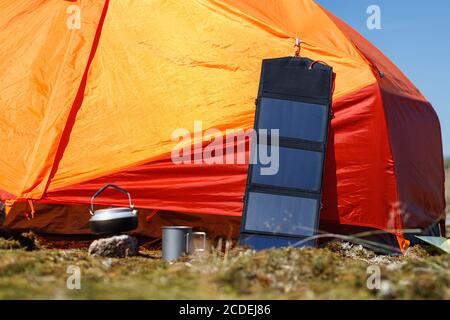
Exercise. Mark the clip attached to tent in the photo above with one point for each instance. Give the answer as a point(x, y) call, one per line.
point(298, 44)
point(30, 215)
point(8, 205)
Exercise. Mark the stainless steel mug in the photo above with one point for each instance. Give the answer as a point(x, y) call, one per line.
point(178, 241)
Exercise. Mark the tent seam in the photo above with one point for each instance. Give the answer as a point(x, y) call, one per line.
point(83, 82)
point(372, 67)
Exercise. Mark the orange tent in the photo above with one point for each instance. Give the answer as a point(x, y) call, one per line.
point(95, 103)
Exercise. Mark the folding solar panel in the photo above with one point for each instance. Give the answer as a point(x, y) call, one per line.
point(282, 207)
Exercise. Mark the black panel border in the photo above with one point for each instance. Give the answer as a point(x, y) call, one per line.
point(289, 143)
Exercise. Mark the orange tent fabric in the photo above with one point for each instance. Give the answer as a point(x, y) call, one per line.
point(83, 107)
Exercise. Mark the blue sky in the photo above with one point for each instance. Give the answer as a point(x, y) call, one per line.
point(415, 35)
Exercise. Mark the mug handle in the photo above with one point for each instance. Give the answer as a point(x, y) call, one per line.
point(196, 233)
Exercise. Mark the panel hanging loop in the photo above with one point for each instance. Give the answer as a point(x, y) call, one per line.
point(298, 44)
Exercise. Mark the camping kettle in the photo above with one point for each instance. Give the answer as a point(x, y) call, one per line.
point(113, 220)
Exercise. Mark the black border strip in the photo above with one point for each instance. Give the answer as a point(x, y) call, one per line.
point(292, 143)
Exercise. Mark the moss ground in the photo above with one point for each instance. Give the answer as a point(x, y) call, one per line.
point(337, 271)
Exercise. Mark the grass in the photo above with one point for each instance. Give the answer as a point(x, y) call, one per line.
point(338, 271)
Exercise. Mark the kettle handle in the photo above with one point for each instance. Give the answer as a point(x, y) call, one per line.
point(106, 187)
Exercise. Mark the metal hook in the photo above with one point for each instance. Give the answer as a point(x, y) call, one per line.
point(298, 44)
